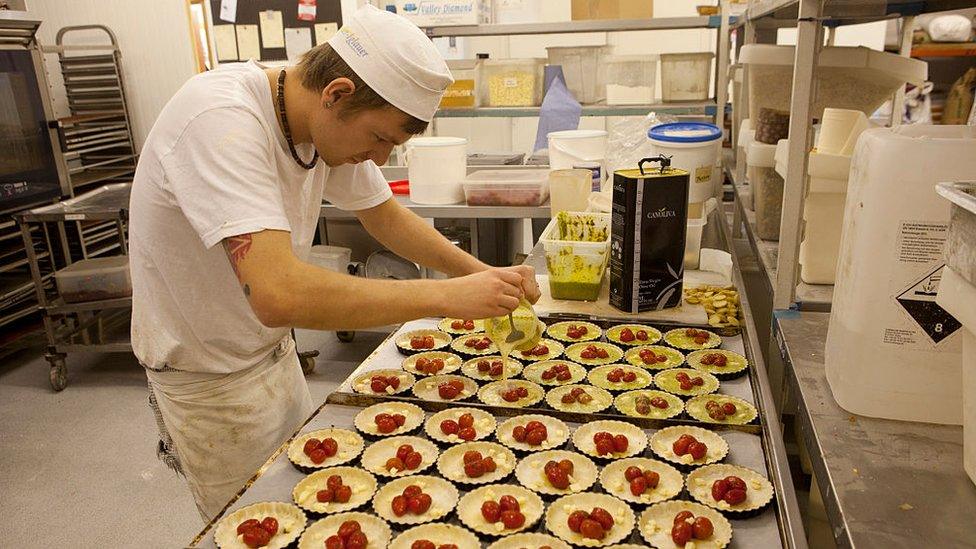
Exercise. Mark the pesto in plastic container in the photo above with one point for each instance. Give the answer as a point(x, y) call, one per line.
point(577, 246)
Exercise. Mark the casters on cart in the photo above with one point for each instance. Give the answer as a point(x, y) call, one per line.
point(307, 360)
point(59, 371)
point(345, 337)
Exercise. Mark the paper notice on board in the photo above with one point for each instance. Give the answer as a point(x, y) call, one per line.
point(271, 29)
point(297, 42)
point(324, 31)
point(248, 43)
point(306, 10)
point(226, 42)
point(228, 11)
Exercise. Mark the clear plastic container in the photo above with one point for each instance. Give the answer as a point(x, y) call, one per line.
point(581, 67)
point(95, 279)
point(684, 76)
point(767, 189)
point(629, 79)
point(511, 82)
point(577, 246)
point(463, 93)
point(507, 187)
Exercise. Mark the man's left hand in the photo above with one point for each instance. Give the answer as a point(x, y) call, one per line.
point(530, 288)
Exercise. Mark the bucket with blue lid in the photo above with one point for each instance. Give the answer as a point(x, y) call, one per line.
point(694, 147)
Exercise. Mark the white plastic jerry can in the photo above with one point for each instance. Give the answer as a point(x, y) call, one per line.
point(892, 351)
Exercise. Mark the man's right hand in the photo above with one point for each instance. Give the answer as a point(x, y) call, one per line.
point(489, 293)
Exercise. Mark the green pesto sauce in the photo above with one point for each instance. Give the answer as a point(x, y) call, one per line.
point(577, 291)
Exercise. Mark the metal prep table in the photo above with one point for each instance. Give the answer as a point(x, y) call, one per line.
point(884, 483)
point(275, 479)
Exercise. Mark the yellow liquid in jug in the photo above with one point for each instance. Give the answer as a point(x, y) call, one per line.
point(499, 328)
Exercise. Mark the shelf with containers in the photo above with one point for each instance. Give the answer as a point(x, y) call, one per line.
point(799, 311)
point(627, 95)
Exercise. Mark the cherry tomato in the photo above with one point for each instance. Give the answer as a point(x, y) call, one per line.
point(330, 446)
point(602, 516)
point(256, 537)
point(638, 486)
point(395, 463)
point(393, 381)
point(270, 524)
point(642, 335)
point(457, 324)
point(343, 493)
point(509, 503)
point(558, 478)
point(604, 447)
point(403, 451)
point(681, 533)
point(386, 425)
point(736, 482)
point(564, 375)
point(719, 489)
point(423, 544)
point(399, 506)
point(422, 503)
point(680, 446)
point(348, 528)
point(324, 496)
point(413, 460)
point(513, 519)
point(489, 464)
point(467, 433)
point(652, 478)
point(735, 496)
point(620, 443)
point(247, 524)
point(317, 455)
point(659, 403)
point(357, 540)
point(310, 445)
point(566, 466)
point(378, 386)
point(334, 542)
point(591, 529)
point(575, 519)
point(412, 491)
point(630, 377)
point(333, 482)
point(472, 456)
point(703, 528)
point(491, 511)
point(536, 437)
point(496, 370)
point(449, 427)
point(475, 469)
point(447, 392)
point(683, 516)
point(466, 420)
point(728, 408)
point(626, 335)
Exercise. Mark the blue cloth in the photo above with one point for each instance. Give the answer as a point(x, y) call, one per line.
point(560, 111)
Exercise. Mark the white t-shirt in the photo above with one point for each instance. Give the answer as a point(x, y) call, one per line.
point(216, 165)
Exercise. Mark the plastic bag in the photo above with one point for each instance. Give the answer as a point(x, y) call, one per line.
point(627, 141)
point(949, 28)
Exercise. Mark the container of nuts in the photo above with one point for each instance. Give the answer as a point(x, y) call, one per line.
point(512, 82)
point(721, 304)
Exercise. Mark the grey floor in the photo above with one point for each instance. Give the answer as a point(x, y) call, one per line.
point(78, 468)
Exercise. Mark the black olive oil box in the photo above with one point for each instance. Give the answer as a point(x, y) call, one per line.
point(647, 239)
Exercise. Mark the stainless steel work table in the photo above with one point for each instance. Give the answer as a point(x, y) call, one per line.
point(884, 483)
point(452, 211)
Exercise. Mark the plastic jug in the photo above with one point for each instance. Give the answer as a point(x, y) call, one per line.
point(569, 190)
point(891, 351)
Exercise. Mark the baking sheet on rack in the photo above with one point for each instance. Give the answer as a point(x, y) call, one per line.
point(387, 356)
point(278, 480)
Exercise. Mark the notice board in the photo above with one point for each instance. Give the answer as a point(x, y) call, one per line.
point(248, 12)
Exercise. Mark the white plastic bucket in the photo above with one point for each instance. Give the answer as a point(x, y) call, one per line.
point(571, 147)
point(436, 168)
point(569, 190)
point(888, 354)
point(692, 146)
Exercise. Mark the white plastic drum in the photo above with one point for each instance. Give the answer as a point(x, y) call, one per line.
point(572, 147)
point(436, 167)
point(692, 146)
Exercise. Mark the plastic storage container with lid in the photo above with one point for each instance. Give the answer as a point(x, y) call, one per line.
point(581, 68)
point(463, 93)
point(577, 246)
point(511, 82)
point(517, 187)
point(692, 146)
point(436, 167)
point(767, 189)
point(95, 279)
point(823, 216)
point(891, 351)
point(855, 78)
point(569, 148)
point(629, 79)
point(684, 76)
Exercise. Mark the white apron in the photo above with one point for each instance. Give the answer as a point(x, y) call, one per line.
point(218, 429)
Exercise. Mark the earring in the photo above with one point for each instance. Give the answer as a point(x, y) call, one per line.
point(328, 104)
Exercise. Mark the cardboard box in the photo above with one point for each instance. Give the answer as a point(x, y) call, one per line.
point(444, 13)
point(612, 9)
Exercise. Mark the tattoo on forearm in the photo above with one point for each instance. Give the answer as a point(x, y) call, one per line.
point(237, 248)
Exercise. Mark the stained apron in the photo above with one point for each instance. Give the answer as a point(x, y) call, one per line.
point(218, 429)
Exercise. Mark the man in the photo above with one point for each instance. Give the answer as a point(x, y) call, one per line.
point(224, 207)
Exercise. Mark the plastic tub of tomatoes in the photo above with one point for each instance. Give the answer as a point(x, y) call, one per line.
point(507, 187)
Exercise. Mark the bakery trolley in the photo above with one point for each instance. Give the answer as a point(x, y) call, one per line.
point(100, 325)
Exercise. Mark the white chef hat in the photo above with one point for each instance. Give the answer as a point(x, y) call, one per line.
point(395, 58)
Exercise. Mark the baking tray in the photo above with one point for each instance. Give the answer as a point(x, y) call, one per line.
point(387, 356)
point(276, 479)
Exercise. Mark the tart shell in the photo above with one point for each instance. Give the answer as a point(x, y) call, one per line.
point(350, 446)
point(452, 362)
point(442, 492)
point(377, 531)
point(666, 381)
point(362, 381)
point(656, 521)
point(441, 341)
point(602, 399)
point(583, 438)
point(675, 357)
point(511, 368)
point(653, 335)
point(490, 394)
point(598, 378)
point(559, 511)
point(573, 353)
point(759, 491)
point(530, 472)
point(291, 524)
point(439, 533)
point(662, 441)
point(746, 413)
point(529, 540)
point(533, 372)
point(451, 464)
point(469, 508)
point(738, 364)
point(557, 331)
point(625, 403)
point(375, 456)
point(426, 388)
point(363, 486)
point(458, 346)
point(445, 326)
point(364, 420)
point(677, 339)
point(557, 433)
point(670, 485)
point(484, 424)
